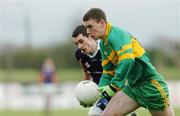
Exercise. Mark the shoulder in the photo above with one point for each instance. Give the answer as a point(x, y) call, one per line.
point(80, 55)
point(98, 55)
point(117, 34)
point(78, 51)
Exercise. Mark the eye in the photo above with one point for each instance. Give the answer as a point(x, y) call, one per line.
point(89, 26)
point(75, 43)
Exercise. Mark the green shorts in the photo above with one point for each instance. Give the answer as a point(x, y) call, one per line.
point(153, 95)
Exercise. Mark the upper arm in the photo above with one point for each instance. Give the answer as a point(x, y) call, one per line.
point(86, 75)
point(121, 44)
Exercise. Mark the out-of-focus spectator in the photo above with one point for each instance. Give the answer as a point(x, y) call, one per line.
point(48, 82)
point(48, 72)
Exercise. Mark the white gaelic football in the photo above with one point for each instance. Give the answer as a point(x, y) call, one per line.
point(87, 92)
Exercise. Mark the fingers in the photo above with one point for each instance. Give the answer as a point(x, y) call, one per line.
point(100, 89)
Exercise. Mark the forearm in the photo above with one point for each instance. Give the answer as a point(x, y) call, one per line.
point(105, 80)
point(86, 76)
point(121, 73)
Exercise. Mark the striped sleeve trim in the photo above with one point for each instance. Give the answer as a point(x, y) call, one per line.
point(124, 48)
point(109, 72)
point(126, 56)
point(104, 62)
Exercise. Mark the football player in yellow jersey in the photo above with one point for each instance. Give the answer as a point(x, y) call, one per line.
point(128, 76)
point(89, 56)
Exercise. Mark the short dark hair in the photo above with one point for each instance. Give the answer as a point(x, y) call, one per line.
point(94, 13)
point(81, 29)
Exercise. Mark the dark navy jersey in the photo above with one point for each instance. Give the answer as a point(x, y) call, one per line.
point(91, 65)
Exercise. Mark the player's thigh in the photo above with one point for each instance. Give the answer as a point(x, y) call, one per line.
point(167, 112)
point(120, 104)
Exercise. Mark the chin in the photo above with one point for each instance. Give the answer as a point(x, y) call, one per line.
point(85, 52)
point(88, 52)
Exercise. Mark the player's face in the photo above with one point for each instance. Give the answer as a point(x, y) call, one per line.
point(95, 28)
point(84, 43)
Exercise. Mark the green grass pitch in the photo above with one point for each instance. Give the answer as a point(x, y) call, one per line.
point(70, 112)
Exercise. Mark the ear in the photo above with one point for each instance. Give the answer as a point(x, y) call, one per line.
point(102, 21)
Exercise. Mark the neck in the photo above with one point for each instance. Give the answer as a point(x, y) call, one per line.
point(94, 48)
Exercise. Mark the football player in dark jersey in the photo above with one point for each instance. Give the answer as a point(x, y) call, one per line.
point(87, 54)
point(89, 57)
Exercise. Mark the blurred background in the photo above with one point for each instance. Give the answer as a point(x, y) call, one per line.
point(33, 30)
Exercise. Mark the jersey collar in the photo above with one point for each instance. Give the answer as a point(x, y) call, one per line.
point(94, 54)
point(108, 29)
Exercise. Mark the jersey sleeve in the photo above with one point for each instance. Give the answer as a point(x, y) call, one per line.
point(79, 56)
point(122, 45)
point(108, 71)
